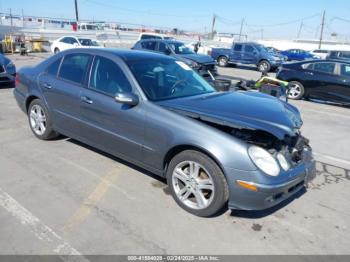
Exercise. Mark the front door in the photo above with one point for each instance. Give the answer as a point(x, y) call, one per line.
point(111, 126)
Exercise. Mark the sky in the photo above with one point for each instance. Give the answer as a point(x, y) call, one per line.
point(267, 19)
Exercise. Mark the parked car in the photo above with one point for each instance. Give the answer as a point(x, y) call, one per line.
point(321, 53)
point(247, 53)
point(203, 64)
point(146, 36)
point(7, 70)
point(69, 42)
point(339, 55)
point(322, 79)
point(157, 113)
point(298, 55)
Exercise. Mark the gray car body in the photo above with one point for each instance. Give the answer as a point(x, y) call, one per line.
point(7, 70)
point(151, 133)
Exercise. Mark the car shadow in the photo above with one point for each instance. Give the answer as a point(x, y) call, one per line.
point(324, 102)
point(119, 160)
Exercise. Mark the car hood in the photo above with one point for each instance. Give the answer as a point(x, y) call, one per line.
point(249, 110)
point(200, 59)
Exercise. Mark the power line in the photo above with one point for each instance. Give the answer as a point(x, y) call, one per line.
point(286, 23)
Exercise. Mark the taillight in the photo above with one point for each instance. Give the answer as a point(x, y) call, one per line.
point(17, 79)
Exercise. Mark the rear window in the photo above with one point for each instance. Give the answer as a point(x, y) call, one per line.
point(150, 45)
point(53, 67)
point(324, 67)
point(144, 37)
point(237, 48)
point(74, 67)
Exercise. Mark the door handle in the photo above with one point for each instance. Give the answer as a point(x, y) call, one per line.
point(87, 100)
point(46, 85)
point(309, 73)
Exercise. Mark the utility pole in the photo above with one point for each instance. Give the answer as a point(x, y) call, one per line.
point(11, 17)
point(241, 30)
point(213, 26)
point(322, 27)
point(23, 22)
point(76, 10)
point(300, 28)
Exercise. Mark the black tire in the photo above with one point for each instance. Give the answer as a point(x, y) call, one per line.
point(222, 61)
point(264, 66)
point(219, 183)
point(296, 90)
point(49, 133)
point(56, 50)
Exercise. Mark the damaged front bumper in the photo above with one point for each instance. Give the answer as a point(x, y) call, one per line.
point(268, 192)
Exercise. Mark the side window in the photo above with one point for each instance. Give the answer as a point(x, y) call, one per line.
point(73, 41)
point(345, 70)
point(324, 67)
point(237, 48)
point(108, 78)
point(74, 67)
point(150, 45)
point(64, 40)
point(249, 49)
point(53, 67)
point(162, 47)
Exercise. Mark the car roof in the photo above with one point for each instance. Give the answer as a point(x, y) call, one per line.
point(321, 60)
point(168, 41)
point(124, 54)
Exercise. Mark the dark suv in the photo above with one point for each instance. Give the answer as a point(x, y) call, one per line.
point(203, 64)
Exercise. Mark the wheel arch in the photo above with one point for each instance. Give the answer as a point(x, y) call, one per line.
point(29, 100)
point(180, 148)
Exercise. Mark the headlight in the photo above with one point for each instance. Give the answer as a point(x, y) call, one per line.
point(264, 160)
point(283, 162)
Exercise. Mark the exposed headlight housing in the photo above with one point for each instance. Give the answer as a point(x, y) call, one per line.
point(264, 160)
point(283, 162)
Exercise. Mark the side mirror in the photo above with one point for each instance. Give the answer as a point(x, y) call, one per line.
point(75, 44)
point(127, 98)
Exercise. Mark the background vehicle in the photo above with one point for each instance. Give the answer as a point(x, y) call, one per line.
point(339, 55)
point(322, 79)
point(321, 53)
point(69, 42)
point(247, 53)
point(7, 70)
point(145, 36)
point(203, 64)
point(212, 147)
point(298, 55)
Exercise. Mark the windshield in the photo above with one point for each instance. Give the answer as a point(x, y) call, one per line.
point(86, 42)
point(168, 79)
point(180, 49)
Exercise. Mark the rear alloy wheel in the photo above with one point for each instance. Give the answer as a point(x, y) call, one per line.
point(296, 90)
point(197, 184)
point(39, 121)
point(264, 66)
point(222, 61)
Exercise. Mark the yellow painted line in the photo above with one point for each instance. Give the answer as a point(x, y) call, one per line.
point(85, 208)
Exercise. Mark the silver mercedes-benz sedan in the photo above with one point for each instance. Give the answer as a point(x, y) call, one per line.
point(240, 149)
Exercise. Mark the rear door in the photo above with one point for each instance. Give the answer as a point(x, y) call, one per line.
point(62, 85)
point(249, 55)
point(236, 53)
point(322, 80)
point(113, 127)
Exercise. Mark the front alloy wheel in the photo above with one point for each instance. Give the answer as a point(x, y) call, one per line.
point(197, 183)
point(193, 185)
